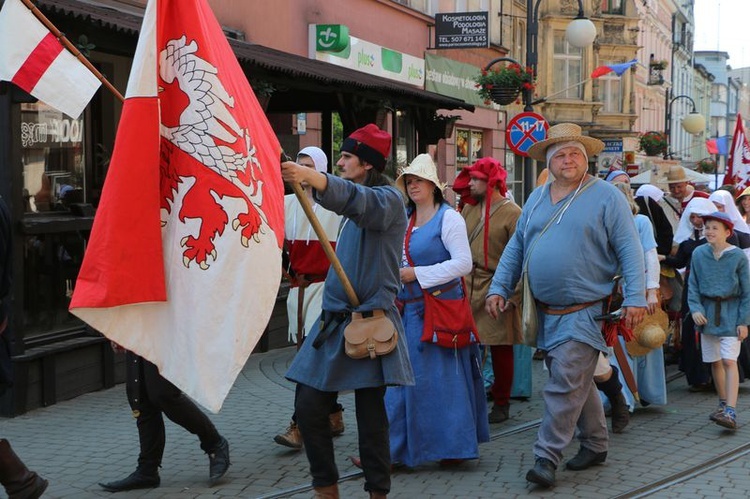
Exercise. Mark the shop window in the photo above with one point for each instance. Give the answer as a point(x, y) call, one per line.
point(52, 152)
point(468, 147)
point(568, 68)
point(51, 265)
point(405, 139)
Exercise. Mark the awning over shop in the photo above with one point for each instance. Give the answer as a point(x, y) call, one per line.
point(301, 84)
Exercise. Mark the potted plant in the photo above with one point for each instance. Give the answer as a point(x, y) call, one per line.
point(659, 64)
point(706, 165)
point(502, 85)
point(653, 143)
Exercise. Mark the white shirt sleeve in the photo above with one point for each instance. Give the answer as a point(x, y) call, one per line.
point(456, 241)
point(652, 269)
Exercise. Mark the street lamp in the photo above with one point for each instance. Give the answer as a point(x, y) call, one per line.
point(694, 123)
point(580, 33)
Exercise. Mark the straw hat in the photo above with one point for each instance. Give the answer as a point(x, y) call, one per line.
point(565, 132)
point(423, 167)
point(649, 334)
point(676, 174)
point(744, 193)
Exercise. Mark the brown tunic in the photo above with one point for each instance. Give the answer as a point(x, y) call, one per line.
point(507, 329)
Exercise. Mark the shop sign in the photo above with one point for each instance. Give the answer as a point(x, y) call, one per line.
point(459, 30)
point(50, 128)
point(331, 37)
point(610, 158)
point(452, 78)
point(332, 43)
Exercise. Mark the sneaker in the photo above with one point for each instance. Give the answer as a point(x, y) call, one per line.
point(291, 438)
point(218, 461)
point(726, 420)
point(336, 421)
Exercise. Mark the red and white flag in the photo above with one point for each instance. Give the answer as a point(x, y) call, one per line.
point(32, 58)
point(738, 160)
point(184, 261)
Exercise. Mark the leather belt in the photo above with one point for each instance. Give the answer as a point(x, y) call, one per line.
point(304, 280)
point(717, 305)
point(565, 310)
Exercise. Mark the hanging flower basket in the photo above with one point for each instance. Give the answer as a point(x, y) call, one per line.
point(706, 165)
point(504, 95)
point(653, 143)
point(502, 85)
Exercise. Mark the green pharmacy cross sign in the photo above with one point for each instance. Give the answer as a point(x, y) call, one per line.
point(331, 38)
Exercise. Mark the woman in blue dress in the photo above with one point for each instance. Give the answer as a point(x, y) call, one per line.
point(443, 417)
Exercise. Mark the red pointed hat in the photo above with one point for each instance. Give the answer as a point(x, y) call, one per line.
point(488, 169)
point(370, 144)
point(491, 171)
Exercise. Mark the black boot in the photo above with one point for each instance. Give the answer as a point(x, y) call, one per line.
point(139, 479)
point(18, 480)
point(218, 461)
point(543, 473)
point(612, 388)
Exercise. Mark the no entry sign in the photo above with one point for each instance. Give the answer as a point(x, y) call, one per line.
point(525, 130)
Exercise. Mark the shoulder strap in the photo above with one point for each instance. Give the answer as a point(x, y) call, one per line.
point(675, 210)
point(480, 225)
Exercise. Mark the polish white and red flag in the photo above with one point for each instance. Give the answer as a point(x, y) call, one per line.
point(184, 261)
point(738, 160)
point(35, 60)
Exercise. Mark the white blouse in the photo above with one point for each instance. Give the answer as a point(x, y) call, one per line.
point(456, 241)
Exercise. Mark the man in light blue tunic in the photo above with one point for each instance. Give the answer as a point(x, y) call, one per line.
point(585, 232)
point(369, 248)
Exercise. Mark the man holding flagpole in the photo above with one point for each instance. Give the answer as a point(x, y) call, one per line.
point(370, 247)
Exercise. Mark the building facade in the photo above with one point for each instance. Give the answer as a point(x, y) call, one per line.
point(52, 168)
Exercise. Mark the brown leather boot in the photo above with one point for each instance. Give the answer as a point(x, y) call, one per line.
point(18, 480)
point(329, 492)
point(291, 438)
point(620, 413)
point(336, 421)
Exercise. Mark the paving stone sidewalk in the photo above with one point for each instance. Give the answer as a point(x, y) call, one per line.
point(81, 442)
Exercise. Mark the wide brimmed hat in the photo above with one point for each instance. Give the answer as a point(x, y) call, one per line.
point(565, 132)
point(649, 334)
point(744, 193)
point(423, 167)
point(676, 175)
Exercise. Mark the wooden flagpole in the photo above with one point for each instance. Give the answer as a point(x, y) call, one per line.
point(323, 238)
point(71, 48)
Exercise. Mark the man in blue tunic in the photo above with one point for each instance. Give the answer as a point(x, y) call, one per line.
point(588, 223)
point(370, 246)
